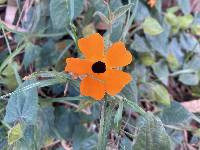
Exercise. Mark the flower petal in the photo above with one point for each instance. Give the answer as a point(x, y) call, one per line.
point(93, 88)
point(78, 66)
point(92, 46)
point(118, 56)
point(115, 80)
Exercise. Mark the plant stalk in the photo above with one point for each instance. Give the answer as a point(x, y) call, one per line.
point(105, 124)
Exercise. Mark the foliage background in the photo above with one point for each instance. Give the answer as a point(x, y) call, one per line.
point(45, 111)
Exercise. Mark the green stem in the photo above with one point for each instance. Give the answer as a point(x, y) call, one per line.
point(105, 124)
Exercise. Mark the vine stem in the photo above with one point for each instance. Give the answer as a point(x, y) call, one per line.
point(105, 123)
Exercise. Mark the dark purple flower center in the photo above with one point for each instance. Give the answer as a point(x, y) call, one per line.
point(99, 67)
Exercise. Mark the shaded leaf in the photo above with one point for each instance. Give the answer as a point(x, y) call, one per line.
point(152, 135)
point(3, 144)
point(141, 15)
point(63, 11)
point(126, 143)
point(160, 42)
point(45, 125)
point(139, 44)
point(184, 5)
point(189, 43)
point(90, 143)
point(189, 79)
point(117, 29)
point(130, 91)
point(59, 12)
point(31, 54)
point(23, 105)
point(65, 121)
point(193, 64)
point(162, 72)
point(79, 136)
point(175, 114)
point(175, 50)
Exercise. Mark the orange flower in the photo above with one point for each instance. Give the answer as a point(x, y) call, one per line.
point(151, 3)
point(99, 68)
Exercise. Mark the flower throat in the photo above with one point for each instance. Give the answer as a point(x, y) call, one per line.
point(99, 67)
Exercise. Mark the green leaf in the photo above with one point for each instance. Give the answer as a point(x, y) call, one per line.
point(171, 19)
point(14, 134)
point(185, 21)
point(152, 135)
point(8, 77)
point(175, 114)
point(151, 26)
point(11, 57)
point(8, 71)
point(160, 94)
point(147, 59)
point(2, 1)
point(85, 104)
point(42, 133)
point(121, 11)
point(196, 29)
point(173, 9)
point(173, 62)
point(23, 105)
